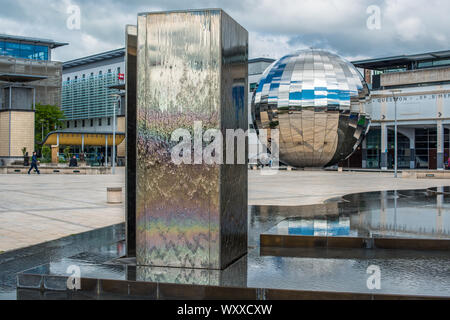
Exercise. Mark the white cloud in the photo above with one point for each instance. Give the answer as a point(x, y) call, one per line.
point(276, 27)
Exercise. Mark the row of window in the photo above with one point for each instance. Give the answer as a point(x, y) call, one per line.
point(92, 74)
point(420, 65)
point(24, 51)
point(83, 123)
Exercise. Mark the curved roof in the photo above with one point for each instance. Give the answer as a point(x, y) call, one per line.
point(52, 44)
point(76, 138)
point(94, 58)
point(398, 61)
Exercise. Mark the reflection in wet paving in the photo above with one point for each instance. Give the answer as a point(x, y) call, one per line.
point(394, 214)
point(403, 272)
point(105, 244)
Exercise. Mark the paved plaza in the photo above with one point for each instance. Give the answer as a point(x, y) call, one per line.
point(36, 209)
point(298, 188)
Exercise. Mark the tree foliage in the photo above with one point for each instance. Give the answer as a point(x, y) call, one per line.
point(48, 117)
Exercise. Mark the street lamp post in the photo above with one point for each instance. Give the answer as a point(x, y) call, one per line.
point(42, 136)
point(396, 133)
point(114, 133)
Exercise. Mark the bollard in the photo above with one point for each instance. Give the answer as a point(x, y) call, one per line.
point(114, 195)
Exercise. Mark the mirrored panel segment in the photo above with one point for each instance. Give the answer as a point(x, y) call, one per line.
point(316, 100)
point(191, 68)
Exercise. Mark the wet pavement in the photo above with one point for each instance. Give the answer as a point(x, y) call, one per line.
point(417, 213)
point(17, 261)
point(395, 214)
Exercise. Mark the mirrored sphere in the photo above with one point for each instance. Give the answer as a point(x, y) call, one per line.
point(316, 100)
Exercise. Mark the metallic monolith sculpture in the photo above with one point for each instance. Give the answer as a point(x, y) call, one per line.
point(130, 102)
point(191, 70)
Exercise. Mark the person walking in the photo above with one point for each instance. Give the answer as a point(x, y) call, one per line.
point(34, 163)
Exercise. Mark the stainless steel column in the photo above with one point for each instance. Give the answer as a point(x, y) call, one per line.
point(191, 67)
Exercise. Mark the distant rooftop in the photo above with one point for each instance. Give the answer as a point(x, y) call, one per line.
point(52, 44)
point(255, 60)
point(94, 58)
point(401, 61)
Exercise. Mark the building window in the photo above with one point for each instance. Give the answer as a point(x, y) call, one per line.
point(109, 121)
point(68, 124)
point(118, 69)
point(109, 70)
point(92, 122)
point(24, 50)
point(83, 123)
point(68, 78)
point(75, 123)
point(99, 122)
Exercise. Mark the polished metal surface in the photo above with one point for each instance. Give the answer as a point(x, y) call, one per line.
point(131, 82)
point(316, 100)
point(191, 66)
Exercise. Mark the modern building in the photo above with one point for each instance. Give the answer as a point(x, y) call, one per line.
point(88, 84)
point(27, 77)
point(415, 90)
point(88, 103)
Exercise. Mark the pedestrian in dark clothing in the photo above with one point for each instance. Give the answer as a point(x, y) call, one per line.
point(73, 162)
point(34, 163)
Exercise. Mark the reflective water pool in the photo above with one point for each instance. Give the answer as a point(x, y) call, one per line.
point(402, 272)
point(96, 241)
point(394, 214)
point(417, 213)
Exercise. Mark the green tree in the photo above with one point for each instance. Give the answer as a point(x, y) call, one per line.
point(48, 118)
point(67, 154)
point(46, 153)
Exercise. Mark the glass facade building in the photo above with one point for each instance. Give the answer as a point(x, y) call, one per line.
point(24, 50)
point(415, 90)
point(28, 77)
point(28, 48)
point(90, 96)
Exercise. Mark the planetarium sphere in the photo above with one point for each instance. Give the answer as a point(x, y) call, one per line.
point(316, 100)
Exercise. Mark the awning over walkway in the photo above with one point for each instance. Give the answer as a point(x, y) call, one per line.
point(83, 138)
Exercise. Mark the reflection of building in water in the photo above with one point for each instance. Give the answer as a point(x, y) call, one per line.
point(320, 227)
point(440, 211)
point(423, 112)
point(398, 216)
point(408, 214)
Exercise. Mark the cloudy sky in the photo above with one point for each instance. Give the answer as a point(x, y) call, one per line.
point(352, 28)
